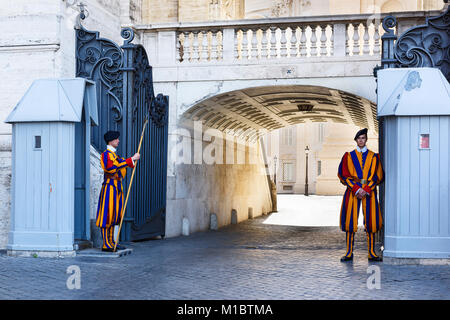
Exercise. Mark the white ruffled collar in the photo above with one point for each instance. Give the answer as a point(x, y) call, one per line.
point(361, 150)
point(111, 148)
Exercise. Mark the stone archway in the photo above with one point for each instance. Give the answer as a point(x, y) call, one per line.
point(239, 118)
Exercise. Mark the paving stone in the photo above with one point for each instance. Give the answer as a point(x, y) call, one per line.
point(250, 260)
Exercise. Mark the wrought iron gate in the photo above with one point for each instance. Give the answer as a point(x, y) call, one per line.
point(125, 99)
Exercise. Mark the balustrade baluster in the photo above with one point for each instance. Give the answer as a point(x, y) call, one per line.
point(366, 45)
point(348, 42)
point(203, 51)
point(187, 47)
point(313, 42)
point(302, 44)
point(244, 49)
point(283, 43)
point(237, 45)
point(356, 39)
point(331, 41)
point(265, 53)
point(323, 41)
point(273, 42)
point(195, 48)
point(254, 51)
point(214, 54)
point(293, 51)
point(219, 36)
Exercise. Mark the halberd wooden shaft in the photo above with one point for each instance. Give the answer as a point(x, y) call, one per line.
point(129, 187)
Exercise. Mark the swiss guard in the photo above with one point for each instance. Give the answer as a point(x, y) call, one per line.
point(360, 171)
point(110, 203)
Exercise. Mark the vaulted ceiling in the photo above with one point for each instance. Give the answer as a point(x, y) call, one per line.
point(244, 112)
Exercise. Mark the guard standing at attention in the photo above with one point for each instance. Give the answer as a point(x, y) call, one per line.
point(360, 171)
point(110, 204)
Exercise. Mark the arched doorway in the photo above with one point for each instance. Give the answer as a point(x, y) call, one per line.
point(247, 115)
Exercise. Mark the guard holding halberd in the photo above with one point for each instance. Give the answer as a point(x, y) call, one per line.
point(110, 204)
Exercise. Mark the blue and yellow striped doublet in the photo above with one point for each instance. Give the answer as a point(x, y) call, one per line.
point(110, 204)
point(360, 170)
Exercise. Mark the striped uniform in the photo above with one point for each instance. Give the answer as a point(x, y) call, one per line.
point(110, 204)
point(354, 167)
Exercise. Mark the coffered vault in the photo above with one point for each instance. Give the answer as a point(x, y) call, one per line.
point(249, 112)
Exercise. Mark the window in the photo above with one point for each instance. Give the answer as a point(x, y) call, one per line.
point(320, 133)
point(288, 171)
point(37, 142)
point(287, 136)
point(424, 141)
point(319, 167)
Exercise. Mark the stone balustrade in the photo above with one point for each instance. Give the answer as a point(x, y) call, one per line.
point(244, 41)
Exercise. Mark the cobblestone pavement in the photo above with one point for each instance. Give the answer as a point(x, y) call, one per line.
point(251, 260)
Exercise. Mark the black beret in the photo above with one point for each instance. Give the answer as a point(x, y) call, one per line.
point(111, 135)
point(360, 132)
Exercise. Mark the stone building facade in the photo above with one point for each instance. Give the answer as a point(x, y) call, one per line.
point(327, 142)
point(155, 11)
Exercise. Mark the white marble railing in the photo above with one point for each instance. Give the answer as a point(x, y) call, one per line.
point(283, 38)
point(270, 42)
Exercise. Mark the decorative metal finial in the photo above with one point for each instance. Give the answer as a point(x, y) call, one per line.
point(127, 34)
point(389, 23)
point(82, 10)
point(84, 13)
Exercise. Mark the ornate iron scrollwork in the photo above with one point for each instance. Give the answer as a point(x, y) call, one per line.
point(101, 58)
point(143, 81)
point(158, 110)
point(143, 90)
point(426, 45)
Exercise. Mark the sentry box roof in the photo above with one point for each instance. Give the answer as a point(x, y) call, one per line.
point(56, 100)
point(413, 92)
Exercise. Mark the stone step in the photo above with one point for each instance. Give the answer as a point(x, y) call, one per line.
point(98, 253)
point(82, 244)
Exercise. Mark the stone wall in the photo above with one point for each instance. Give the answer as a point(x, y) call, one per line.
point(195, 191)
point(156, 11)
point(130, 12)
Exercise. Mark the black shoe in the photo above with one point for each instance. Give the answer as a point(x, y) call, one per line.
point(119, 247)
point(345, 258)
point(378, 259)
point(108, 249)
